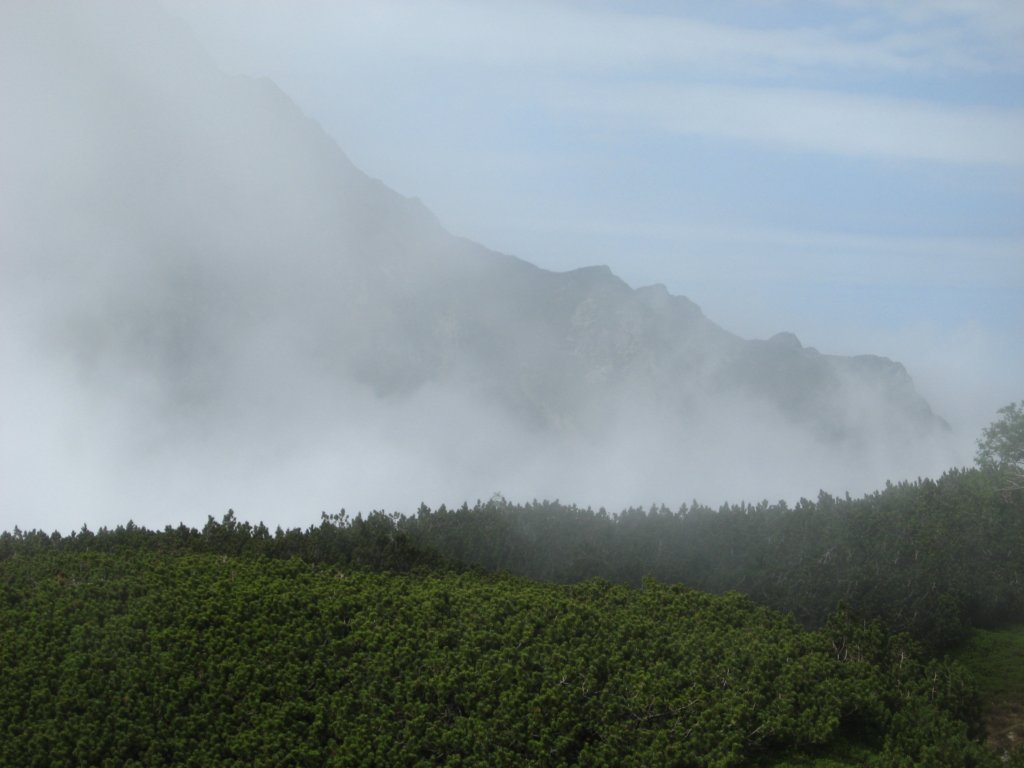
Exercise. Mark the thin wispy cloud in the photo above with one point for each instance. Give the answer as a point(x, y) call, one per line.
point(821, 121)
point(988, 32)
point(901, 37)
point(834, 82)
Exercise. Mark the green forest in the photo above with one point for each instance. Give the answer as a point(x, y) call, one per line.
point(886, 630)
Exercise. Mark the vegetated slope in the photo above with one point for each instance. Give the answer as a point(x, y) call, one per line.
point(996, 660)
point(933, 557)
point(141, 656)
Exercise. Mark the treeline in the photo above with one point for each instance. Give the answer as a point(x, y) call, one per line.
point(152, 655)
point(376, 542)
point(932, 558)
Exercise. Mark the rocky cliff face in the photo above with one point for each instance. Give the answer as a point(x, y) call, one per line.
point(566, 350)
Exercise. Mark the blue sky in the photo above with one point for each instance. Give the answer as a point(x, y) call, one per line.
point(850, 171)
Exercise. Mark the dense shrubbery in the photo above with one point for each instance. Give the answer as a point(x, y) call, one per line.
point(366, 641)
point(932, 558)
point(144, 656)
point(996, 659)
point(374, 542)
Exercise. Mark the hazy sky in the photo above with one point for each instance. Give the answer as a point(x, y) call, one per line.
point(849, 171)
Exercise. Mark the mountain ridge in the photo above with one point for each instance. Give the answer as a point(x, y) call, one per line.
point(194, 253)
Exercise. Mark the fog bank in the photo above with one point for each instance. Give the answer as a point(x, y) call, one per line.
point(206, 305)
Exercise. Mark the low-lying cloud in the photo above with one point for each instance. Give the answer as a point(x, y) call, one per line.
point(189, 287)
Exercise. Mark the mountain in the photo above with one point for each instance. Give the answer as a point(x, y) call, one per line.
point(197, 260)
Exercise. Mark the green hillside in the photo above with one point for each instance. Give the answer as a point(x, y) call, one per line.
point(996, 660)
point(148, 657)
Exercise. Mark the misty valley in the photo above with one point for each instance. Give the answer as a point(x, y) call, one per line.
point(205, 305)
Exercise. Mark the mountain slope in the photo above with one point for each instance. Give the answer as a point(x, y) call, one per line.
point(196, 260)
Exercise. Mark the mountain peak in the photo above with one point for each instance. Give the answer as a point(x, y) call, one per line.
point(786, 340)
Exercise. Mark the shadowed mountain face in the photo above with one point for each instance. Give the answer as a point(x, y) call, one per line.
point(193, 264)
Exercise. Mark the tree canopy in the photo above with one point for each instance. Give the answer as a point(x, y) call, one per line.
point(1001, 446)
